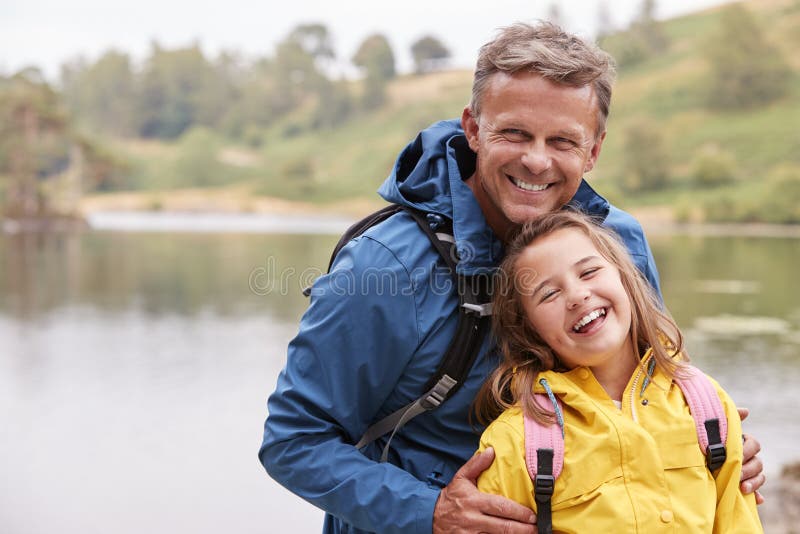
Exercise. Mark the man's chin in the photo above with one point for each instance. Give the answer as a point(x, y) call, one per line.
point(523, 214)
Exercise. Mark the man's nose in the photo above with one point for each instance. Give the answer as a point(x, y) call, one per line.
point(536, 158)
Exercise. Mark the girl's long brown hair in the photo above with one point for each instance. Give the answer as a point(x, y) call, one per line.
point(525, 354)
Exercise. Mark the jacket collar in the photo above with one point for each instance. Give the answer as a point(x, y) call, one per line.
point(580, 380)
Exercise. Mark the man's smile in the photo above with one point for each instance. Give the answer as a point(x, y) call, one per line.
point(526, 186)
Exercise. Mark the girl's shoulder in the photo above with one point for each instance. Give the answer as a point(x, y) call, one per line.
point(509, 423)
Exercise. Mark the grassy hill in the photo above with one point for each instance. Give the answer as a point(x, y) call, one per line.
point(668, 90)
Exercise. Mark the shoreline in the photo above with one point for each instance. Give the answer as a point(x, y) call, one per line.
point(235, 209)
point(233, 200)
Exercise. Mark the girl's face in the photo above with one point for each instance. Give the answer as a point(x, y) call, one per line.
point(574, 298)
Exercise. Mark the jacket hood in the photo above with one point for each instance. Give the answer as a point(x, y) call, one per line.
point(420, 177)
point(429, 175)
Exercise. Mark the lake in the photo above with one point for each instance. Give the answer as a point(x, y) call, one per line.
point(135, 366)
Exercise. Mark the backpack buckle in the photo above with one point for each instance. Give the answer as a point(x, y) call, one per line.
point(543, 487)
point(483, 310)
point(437, 394)
point(715, 456)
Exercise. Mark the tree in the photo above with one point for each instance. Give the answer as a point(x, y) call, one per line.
point(376, 59)
point(180, 88)
point(314, 39)
point(296, 75)
point(429, 54)
point(254, 107)
point(643, 39)
point(375, 56)
point(44, 165)
point(103, 95)
point(746, 69)
point(33, 128)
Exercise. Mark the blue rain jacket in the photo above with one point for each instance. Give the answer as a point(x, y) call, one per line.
point(374, 333)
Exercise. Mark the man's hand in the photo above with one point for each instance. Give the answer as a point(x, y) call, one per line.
point(752, 468)
point(461, 508)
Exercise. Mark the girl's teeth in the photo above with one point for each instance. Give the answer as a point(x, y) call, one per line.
point(588, 319)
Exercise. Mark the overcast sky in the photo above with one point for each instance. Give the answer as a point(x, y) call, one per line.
point(45, 33)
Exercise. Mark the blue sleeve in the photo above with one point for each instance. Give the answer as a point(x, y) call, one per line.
point(647, 265)
point(354, 342)
point(632, 234)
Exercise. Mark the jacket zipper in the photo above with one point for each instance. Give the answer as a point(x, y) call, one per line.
point(634, 387)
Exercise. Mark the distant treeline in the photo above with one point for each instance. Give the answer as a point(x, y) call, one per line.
point(175, 89)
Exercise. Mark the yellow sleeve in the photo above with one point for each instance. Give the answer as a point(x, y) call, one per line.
point(508, 475)
point(735, 512)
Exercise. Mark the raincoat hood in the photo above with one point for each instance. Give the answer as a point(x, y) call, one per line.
point(429, 175)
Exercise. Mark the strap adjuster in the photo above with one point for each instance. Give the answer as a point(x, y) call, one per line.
point(483, 310)
point(543, 487)
point(438, 393)
point(715, 456)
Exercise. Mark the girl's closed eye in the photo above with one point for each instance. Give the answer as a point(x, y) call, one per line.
point(587, 273)
point(548, 294)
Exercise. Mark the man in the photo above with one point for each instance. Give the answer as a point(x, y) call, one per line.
point(378, 324)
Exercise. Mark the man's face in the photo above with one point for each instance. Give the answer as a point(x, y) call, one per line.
point(534, 140)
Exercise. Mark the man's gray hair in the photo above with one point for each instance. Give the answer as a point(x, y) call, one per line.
point(547, 50)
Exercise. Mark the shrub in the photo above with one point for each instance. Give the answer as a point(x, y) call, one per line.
point(646, 163)
point(713, 166)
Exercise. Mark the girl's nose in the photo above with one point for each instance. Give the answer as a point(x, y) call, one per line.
point(578, 296)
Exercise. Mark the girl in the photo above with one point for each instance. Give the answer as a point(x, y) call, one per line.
point(577, 322)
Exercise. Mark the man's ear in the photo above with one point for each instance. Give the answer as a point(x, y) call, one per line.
point(470, 126)
point(594, 153)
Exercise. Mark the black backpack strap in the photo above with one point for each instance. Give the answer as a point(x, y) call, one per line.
point(474, 307)
point(358, 228)
point(474, 319)
point(543, 486)
point(715, 453)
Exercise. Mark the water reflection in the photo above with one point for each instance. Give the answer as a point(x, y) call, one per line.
point(159, 273)
point(130, 422)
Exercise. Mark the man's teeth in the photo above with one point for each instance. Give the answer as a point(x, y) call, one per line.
point(588, 318)
point(529, 187)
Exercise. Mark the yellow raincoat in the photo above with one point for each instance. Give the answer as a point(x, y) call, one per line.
point(638, 469)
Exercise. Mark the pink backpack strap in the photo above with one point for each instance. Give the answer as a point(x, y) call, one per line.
point(709, 416)
point(544, 458)
point(539, 436)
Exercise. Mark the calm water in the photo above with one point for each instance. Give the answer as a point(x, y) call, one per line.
point(134, 368)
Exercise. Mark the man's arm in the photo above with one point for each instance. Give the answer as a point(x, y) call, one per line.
point(353, 346)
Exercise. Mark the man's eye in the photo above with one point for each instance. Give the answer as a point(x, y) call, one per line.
point(515, 135)
point(563, 143)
